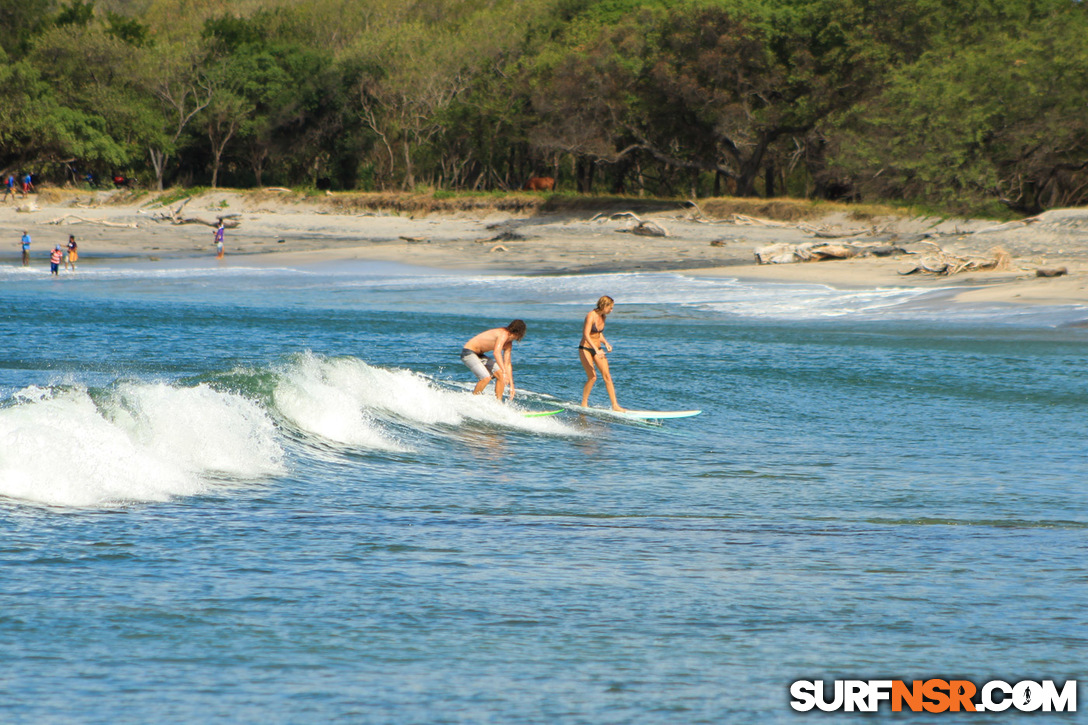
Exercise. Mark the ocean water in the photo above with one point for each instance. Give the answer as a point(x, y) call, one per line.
point(262, 494)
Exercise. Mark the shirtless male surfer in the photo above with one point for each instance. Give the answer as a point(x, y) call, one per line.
point(500, 340)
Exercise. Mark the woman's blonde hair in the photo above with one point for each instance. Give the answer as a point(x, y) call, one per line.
point(605, 301)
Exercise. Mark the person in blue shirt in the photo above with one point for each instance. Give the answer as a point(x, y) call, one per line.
point(9, 187)
point(26, 248)
point(28, 184)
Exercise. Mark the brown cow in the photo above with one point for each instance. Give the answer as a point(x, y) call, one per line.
point(539, 183)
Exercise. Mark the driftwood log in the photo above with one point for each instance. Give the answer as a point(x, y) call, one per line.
point(644, 228)
point(648, 229)
point(615, 216)
point(506, 236)
point(817, 251)
point(1051, 272)
point(73, 219)
point(229, 221)
point(940, 262)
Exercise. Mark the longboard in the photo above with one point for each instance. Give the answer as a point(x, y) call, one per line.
point(604, 412)
point(638, 414)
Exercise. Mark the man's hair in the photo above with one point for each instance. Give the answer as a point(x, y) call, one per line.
point(516, 328)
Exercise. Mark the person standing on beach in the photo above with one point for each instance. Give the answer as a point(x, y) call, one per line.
point(25, 242)
point(218, 236)
point(54, 261)
point(591, 351)
point(73, 253)
point(501, 341)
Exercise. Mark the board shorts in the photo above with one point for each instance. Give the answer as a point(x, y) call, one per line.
point(480, 365)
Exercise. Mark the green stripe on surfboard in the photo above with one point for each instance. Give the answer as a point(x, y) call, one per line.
point(542, 413)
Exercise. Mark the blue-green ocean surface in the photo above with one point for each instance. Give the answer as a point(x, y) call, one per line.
point(259, 494)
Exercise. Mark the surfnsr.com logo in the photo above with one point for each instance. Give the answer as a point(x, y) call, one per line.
point(934, 695)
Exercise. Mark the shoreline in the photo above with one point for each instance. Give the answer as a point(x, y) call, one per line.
point(271, 231)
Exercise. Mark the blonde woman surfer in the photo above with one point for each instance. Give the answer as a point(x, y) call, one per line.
point(501, 341)
point(591, 350)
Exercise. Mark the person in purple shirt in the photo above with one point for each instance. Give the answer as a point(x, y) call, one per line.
point(219, 231)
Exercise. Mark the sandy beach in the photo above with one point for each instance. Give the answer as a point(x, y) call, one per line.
point(280, 227)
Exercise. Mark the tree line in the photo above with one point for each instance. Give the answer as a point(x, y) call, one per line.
point(936, 101)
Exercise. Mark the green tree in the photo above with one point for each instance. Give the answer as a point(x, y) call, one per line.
point(1000, 120)
point(409, 78)
point(175, 76)
point(77, 13)
point(483, 131)
point(699, 86)
point(90, 73)
point(21, 21)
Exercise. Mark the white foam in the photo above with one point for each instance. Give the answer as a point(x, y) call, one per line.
point(331, 399)
point(140, 442)
point(347, 401)
point(724, 295)
point(200, 429)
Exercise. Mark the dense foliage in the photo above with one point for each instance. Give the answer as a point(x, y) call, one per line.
point(919, 100)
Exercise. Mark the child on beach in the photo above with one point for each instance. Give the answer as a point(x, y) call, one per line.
point(73, 253)
point(54, 260)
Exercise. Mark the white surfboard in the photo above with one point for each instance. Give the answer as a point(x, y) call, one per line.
point(658, 414)
point(637, 414)
point(602, 412)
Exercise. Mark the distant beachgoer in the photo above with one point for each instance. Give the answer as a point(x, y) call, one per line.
point(26, 248)
point(28, 184)
point(54, 260)
point(501, 341)
point(9, 187)
point(73, 253)
point(219, 232)
point(591, 350)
